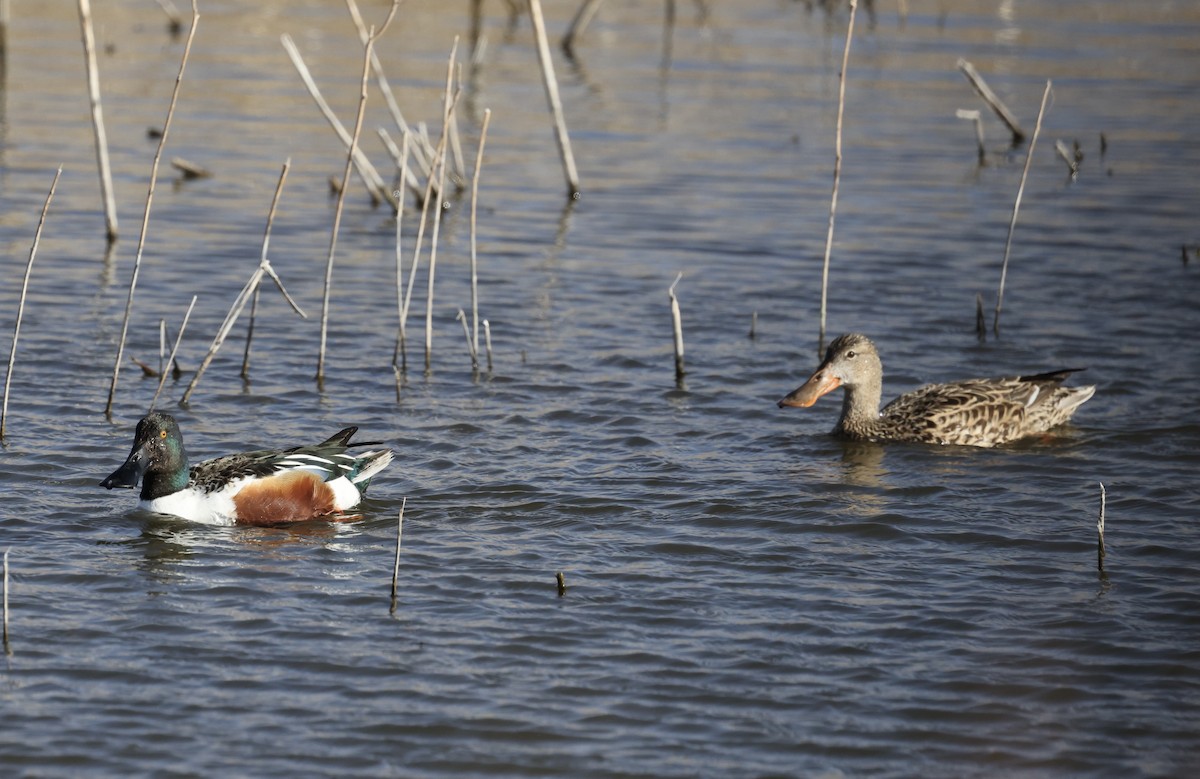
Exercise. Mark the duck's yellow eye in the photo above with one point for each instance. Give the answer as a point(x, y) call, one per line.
point(162, 433)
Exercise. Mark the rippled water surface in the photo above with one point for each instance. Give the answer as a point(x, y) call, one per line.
point(746, 596)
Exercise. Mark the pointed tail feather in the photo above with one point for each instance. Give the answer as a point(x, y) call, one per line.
point(372, 463)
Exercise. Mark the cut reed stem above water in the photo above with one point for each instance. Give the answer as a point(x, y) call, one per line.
point(550, 82)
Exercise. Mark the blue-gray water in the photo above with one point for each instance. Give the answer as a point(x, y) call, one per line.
point(746, 595)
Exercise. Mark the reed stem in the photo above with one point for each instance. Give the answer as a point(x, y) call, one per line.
point(287, 164)
point(7, 645)
point(396, 566)
point(487, 339)
point(583, 17)
point(341, 198)
point(137, 261)
point(837, 173)
point(93, 81)
point(1012, 224)
point(551, 85)
point(162, 374)
point(487, 118)
point(677, 328)
point(992, 100)
point(12, 354)
point(400, 335)
point(448, 103)
point(1100, 553)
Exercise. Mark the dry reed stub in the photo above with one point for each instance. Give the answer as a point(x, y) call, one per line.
point(190, 170)
point(977, 118)
point(12, 354)
point(1100, 553)
point(487, 338)
point(174, 351)
point(980, 320)
point(560, 583)
point(1070, 159)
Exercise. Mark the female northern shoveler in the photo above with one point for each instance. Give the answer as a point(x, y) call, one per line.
point(975, 412)
point(256, 488)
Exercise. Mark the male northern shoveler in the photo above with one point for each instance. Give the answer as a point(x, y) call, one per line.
point(255, 488)
point(975, 412)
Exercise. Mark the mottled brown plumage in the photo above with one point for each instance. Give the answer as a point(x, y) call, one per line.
point(975, 412)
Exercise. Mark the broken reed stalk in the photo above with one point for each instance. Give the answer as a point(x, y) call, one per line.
point(162, 346)
point(12, 354)
point(993, 102)
point(487, 118)
point(376, 188)
point(462, 317)
point(837, 173)
point(287, 164)
point(93, 81)
point(407, 177)
point(448, 103)
point(677, 328)
point(231, 318)
point(341, 198)
point(137, 261)
point(162, 374)
point(396, 566)
point(976, 117)
point(1100, 554)
point(753, 325)
point(1012, 224)
point(7, 646)
point(583, 17)
point(560, 582)
point(487, 339)
point(551, 85)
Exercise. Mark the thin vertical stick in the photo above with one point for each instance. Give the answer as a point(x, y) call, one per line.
point(551, 84)
point(287, 164)
point(447, 106)
point(837, 173)
point(487, 339)
point(1012, 224)
point(137, 261)
point(975, 117)
point(487, 118)
point(396, 566)
point(12, 354)
point(677, 326)
point(980, 319)
point(341, 199)
point(93, 79)
point(405, 142)
point(162, 374)
point(162, 346)
point(7, 646)
point(1100, 554)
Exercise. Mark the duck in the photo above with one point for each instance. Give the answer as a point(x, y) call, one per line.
point(264, 488)
point(974, 412)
